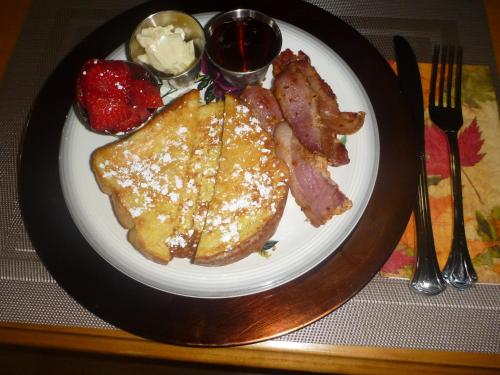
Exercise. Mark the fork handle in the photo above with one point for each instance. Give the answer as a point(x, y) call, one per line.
point(427, 277)
point(458, 270)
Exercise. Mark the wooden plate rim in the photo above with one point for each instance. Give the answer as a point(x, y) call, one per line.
point(147, 312)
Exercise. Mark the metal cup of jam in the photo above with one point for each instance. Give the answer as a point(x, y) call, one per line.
point(242, 43)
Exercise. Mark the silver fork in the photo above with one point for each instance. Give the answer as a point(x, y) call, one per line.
point(458, 271)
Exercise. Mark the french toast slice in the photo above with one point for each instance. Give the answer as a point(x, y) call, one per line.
point(250, 191)
point(201, 172)
point(145, 175)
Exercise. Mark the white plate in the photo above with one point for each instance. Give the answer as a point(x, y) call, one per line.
point(300, 247)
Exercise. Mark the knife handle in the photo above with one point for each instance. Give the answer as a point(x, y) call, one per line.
point(427, 278)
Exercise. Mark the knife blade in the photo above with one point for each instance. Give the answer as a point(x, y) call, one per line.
point(410, 85)
point(427, 277)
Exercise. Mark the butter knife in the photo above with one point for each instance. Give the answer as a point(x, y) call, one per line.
point(427, 278)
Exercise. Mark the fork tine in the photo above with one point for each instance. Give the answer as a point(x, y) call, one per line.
point(458, 80)
point(444, 52)
point(435, 62)
point(451, 58)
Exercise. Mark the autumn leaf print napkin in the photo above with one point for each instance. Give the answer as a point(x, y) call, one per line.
point(479, 142)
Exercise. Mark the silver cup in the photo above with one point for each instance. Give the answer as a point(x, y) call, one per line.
point(241, 78)
point(194, 31)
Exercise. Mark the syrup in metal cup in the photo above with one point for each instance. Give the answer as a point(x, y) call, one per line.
point(193, 30)
point(241, 44)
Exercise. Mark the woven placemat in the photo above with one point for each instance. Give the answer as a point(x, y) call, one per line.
point(384, 313)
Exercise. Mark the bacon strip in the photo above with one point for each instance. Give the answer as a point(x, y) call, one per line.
point(319, 197)
point(314, 191)
point(310, 107)
point(263, 105)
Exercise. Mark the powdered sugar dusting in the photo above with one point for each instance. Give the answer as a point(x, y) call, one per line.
point(246, 190)
point(149, 178)
point(176, 241)
point(231, 233)
point(238, 204)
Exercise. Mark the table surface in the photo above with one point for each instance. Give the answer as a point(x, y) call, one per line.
point(270, 354)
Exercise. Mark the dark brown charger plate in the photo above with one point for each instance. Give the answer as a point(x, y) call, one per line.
point(157, 315)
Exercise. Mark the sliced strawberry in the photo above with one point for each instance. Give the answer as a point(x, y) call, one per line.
point(142, 112)
point(80, 94)
point(137, 116)
point(110, 78)
point(115, 101)
point(144, 94)
point(106, 113)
